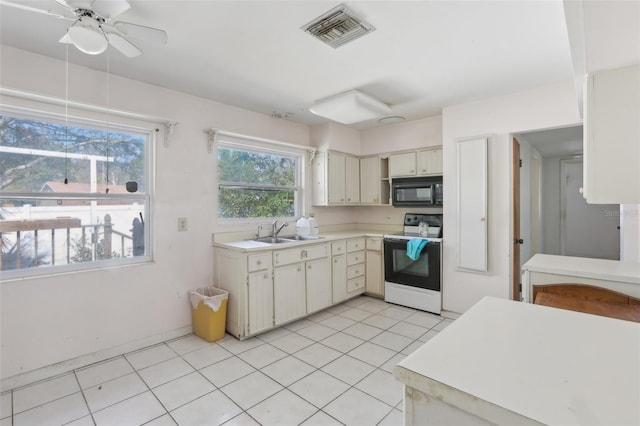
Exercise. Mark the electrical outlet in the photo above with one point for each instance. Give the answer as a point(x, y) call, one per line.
point(182, 224)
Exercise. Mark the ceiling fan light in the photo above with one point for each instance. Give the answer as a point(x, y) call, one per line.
point(350, 107)
point(87, 36)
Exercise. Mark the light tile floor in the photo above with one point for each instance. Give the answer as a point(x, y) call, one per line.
point(331, 368)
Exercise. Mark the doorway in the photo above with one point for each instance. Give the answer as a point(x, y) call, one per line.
point(586, 230)
point(554, 218)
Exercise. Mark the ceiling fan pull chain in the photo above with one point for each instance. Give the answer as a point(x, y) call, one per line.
point(108, 119)
point(66, 116)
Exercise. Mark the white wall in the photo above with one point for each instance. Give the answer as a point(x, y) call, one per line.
point(55, 318)
point(401, 136)
point(545, 107)
point(630, 234)
point(551, 205)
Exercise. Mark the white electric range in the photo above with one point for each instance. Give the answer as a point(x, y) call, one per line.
point(415, 281)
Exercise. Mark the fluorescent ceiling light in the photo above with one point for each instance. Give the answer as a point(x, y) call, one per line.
point(350, 107)
point(87, 35)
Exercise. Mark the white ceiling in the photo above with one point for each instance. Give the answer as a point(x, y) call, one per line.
point(423, 55)
point(563, 142)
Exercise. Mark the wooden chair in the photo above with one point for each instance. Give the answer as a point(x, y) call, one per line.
point(588, 299)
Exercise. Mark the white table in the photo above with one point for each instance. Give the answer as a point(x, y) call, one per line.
point(507, 362)
point(623, 277)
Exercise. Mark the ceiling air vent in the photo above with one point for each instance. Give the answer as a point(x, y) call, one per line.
point(338, 26)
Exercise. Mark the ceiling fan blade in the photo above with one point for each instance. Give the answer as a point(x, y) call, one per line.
point(110, 8)
point(123, 45)
point(141, 32)
point(34, 9)
point(75, 4)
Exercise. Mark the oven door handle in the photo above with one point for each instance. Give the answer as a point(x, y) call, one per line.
point(397, 241)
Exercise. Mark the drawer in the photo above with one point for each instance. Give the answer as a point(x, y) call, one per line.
point(355, 258)
point(338, 247)
point(300, 254)
point(374, 244)
point(355, 244)
point(355, 271)
point(259, 261)
point(355, 284)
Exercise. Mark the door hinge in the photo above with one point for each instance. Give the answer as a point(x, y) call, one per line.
point(520, 162)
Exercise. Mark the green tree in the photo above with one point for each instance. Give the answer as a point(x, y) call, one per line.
point(28, 173)
point(255, 184)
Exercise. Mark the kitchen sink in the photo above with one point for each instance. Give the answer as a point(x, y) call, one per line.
point(287, 239)
point(302, 237)
point(272, 240)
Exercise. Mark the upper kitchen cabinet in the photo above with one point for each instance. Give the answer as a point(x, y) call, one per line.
point(352, 180)
point(430, 162)
point(402, 164)
point(416, 163)
point(612, 137)
point(370, 180)
point(336, 179)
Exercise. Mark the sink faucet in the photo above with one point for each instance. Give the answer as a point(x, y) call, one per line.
point(274, 228)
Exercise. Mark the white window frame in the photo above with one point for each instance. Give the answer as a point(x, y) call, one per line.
point(265, 146)
point(113, 121)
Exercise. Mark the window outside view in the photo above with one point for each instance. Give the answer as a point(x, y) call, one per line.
point(64, 197)
point(255, 184)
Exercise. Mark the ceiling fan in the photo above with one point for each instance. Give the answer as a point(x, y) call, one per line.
point(92, 31)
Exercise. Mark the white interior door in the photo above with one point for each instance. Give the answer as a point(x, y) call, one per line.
point(586, 230)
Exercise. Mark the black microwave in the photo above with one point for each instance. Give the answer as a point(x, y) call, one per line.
point(416, 192)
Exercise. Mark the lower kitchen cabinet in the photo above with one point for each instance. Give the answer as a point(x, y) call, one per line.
point(272, 287)
point(375, 267)
point(319, 291)
point(289, 293)
point(259, 302)
point(339, 277)
point(248, 279)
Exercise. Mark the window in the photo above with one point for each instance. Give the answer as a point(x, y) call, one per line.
point(72, 195)
point(257, 183)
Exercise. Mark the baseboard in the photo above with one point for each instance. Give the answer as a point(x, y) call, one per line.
point(59, 368)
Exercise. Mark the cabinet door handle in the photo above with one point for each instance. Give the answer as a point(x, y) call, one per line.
point(309, 266)
point(265, 276)
point(259, 262)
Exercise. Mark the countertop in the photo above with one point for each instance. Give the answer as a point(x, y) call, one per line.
point(251, 245)
point(513, 362)
point(611, 270)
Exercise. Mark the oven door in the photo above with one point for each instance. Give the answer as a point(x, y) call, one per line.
point(423, 272)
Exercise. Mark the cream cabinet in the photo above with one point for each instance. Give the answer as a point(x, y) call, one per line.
point(429, 162)
point(370, 180)
point(290, 293)
point(249, 280)
point(339, 270)
point(347, 268)
point(402, 164)
point(259, 302)
point(336, 169)
point(318, 285)
point(336, 179)
point(352, 180)
point(355, 266)
point(300, 283)
point(374, 270)
point(612, 137)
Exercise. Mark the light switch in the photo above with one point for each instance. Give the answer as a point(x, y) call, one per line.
point(182, 224)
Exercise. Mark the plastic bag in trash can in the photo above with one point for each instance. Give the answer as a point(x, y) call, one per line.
point(211, 296)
